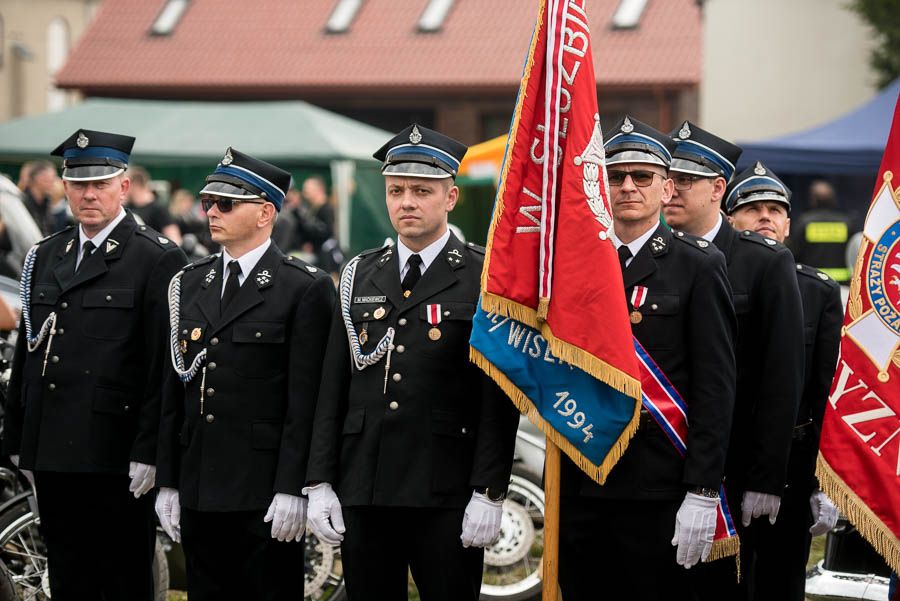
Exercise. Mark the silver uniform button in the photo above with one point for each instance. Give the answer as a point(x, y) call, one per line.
point(394, 405)
point(214, 341)
point(60, 331)
point(210, 418)
point(446, 313)
point(64, 305)
point(211, 366)
point(654, 306)
point(401, 349)
point(54, 359)
point(401, 321)
point(258, 334)
point(210, 392)
point(396, 377)
point(51, 386)
point(464, 431)
point(108, 298)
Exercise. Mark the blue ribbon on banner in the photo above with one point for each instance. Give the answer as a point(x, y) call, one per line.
point(586, 412)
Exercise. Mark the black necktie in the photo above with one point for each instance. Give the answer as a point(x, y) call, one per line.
point(624, 255)
point(86, 249)
point(413, 274)
point(232, 285)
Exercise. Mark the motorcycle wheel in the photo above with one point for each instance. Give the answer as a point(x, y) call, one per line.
point(323, 572)
point(24, 554)
point(512, 567)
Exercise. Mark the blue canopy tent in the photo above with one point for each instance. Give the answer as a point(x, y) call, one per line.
point(849, 145)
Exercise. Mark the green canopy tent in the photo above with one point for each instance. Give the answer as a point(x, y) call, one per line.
point(183, 141)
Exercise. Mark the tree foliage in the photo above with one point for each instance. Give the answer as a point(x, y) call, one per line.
point(884, 18)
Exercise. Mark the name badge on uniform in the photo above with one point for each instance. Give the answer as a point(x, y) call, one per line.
point(434, 318)
point(369, 299)
point(638, 298)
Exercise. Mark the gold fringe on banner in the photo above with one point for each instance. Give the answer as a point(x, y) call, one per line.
point(529, 410)
point(873, 529)
point(727, 547)
point(561, 349)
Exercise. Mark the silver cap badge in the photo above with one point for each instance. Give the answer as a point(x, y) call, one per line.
point(415, 136)
point(685, 132)
point(227, 159)
point(759, 169)
point(627, 126)
point(82, 140)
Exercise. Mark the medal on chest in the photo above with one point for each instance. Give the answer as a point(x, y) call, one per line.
point(638, 298)
point(434, 318)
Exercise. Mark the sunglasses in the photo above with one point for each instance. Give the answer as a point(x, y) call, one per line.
point(641, 179)
point(225, 204)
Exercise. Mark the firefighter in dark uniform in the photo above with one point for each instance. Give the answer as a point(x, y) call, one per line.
point(822, 233)
point(613, 536)
point(83, 405)
point(413, 444)
point(769, 348)
point(249, 330)
point(758, 201)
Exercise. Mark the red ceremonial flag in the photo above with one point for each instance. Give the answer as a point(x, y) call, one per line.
point(550, 263)
point(859, 453)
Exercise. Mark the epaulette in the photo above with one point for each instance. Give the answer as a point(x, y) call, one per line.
point(812, 272)
point(693, 241)
point(371, 251)
point(475, 247)
point(68, 228)
point(152, 234)
point(303, 266)
point(769, 243)
point(203, 261)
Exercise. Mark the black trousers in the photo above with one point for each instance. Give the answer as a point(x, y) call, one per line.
point(619, 549)
point(232, 556)
point(99, 538)
point(382, 544)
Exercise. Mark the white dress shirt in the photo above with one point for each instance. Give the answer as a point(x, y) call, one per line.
point(99, 238)
point(635, 245)
point(428, 254)
point(247, 262)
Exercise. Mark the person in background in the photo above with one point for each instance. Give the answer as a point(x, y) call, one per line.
point(286, 232)
point(316, 215)
point(18, 231)
point(60, 215)
point(41, 180)
point(822, 232)
point(143, 202)
point(758, 201)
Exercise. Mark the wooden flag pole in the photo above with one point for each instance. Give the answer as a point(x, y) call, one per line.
point(551, 523)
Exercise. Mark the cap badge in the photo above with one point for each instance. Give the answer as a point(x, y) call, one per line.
point(685, 132)
point(111, 245)
point(759, 169)
point(627, 126)
point(82, 140)
point(263, 277)
point(227, 159)
point(415, 136)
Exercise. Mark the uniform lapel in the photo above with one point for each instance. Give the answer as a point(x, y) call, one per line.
point(439, 275)
point(210, 297)
point(387, 277)
point(97, 263)
point(249, 295)
point(67, 255)
point(644, 264)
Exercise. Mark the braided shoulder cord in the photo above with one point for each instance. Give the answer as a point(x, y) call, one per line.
point(185, 375)
point(49, 324)
point(387, 341)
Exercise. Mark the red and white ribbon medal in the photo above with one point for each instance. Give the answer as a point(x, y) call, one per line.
point(434, 318)
point(638, 298)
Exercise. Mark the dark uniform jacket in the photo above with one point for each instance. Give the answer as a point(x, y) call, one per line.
point(823, 316)
point(688, 327)
point(442, 427)
point(769, 354)
point(97, 406)
point(250, 438)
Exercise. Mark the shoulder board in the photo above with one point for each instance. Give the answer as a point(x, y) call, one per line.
point(200, 262)
point(476, 248)
point(375, 250)
point(152, 234)
point(693, 241)
point(769, 243)
point(68, 228)
point(812, 272)
point(303, 266)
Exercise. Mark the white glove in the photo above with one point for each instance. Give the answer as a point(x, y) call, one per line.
point(757, 504)
point(143, 477)
point(825, 513)
point(481, 522)
point(325, 517)
point(29, 475)
point(695, 528)
point(288, 516)
point(168, 508)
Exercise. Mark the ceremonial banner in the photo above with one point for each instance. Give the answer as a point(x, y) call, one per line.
point(552, 326)
point(859, 453)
